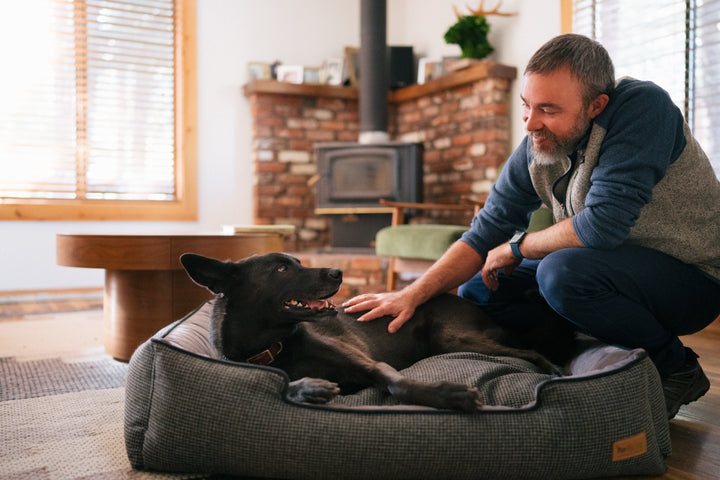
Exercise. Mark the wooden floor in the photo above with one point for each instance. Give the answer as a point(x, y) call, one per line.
point(695, 431)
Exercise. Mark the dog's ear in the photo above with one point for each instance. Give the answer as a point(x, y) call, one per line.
point(207, 272)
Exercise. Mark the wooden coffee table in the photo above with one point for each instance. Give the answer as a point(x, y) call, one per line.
point(146, 287)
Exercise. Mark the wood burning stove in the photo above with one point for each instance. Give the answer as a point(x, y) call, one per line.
point(354, 177)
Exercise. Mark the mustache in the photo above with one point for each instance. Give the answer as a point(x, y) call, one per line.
point(541, 134)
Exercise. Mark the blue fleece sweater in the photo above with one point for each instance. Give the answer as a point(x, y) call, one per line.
point(625, 183)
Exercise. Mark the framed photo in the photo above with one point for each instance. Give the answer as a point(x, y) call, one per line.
point(311, 74)
point(352, 64)
point(258, 70)
point(290, 73)
point(332, 71)
point(428, 69)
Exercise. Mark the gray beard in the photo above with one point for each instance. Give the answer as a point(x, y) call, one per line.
point(547, 158)
point(562, 150)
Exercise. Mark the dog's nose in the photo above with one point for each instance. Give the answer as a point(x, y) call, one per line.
point(335, 274)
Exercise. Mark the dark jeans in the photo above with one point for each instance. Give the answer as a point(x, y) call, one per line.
point(631, 297)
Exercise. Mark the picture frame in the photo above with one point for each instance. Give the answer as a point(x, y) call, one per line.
point(428, 69)
point(332, 71)
point(290, 73)
point(352, 65)
point(311, 74)
point(258, 71)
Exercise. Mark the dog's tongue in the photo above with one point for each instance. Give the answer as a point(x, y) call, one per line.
point(319, 304)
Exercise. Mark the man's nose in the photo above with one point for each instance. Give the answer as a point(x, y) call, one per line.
point(532, 121)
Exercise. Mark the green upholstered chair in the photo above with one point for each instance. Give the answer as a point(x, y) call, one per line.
point(414, 248)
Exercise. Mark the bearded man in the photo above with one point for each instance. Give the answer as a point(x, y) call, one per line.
point(633, 256)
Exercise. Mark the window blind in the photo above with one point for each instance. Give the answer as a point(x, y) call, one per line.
point(705, 85)
point(674, 43)
point(87, 100)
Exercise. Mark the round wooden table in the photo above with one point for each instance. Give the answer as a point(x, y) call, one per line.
point(146, 287)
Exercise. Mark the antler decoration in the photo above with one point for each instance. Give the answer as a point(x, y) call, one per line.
point(481, 12)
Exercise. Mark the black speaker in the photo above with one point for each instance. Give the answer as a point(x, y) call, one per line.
point(402, 66)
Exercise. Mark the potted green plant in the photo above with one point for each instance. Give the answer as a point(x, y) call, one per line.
point(470, 34)
point(470, 31)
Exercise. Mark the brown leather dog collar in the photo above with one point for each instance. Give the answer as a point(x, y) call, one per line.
point(267, 356)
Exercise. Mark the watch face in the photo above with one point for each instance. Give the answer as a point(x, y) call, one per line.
point(517, 237)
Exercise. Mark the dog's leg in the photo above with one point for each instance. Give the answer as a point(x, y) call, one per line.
point(445, 395)
point(312, 390)
point(484, 345)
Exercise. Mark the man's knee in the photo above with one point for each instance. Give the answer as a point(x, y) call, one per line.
point(562, 276)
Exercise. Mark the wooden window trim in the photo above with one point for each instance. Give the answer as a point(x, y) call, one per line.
point(184, 208)
point(566, 16)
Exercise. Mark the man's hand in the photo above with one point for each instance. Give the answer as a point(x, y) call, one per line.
point(397, 304)
point(459, 263)
point(497, 258)
point(536, 245)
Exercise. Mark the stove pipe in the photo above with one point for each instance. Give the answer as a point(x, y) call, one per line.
point(374, 79)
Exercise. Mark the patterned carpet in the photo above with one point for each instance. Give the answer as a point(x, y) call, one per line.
point(61, 413)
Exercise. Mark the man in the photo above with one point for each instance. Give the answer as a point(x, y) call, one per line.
point(633, 257)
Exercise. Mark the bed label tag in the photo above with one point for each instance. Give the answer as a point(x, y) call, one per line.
point(629, 447)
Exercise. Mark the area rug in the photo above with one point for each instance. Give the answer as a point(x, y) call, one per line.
point(15, 305)
point(62, 418)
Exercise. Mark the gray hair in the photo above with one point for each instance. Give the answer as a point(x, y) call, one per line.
point(587, 60)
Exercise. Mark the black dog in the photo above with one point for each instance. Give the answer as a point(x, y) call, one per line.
point(272, 310)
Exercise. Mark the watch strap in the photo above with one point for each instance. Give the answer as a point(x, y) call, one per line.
point(515, 242)
point(515, 247)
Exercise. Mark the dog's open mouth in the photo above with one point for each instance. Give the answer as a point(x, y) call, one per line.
point(310, 306)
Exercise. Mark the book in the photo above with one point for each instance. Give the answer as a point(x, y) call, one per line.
point(280, 229)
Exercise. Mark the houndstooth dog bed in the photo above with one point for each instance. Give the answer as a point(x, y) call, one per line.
point(188, 411)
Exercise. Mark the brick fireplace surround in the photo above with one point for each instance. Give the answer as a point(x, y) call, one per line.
point(461, 118)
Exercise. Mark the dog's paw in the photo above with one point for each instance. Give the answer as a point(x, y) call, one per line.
point(458, 397)
point(312, 390)
point(444, 395)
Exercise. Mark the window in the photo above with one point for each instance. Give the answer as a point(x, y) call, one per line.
point(674, 43)
point(97, 110)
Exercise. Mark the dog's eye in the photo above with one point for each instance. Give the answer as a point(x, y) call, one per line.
point(282, 268)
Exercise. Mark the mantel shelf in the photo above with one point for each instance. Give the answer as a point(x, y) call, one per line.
point(482, 70)
point(304, 89)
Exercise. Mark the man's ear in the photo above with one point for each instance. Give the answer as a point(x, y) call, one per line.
point(598, 105)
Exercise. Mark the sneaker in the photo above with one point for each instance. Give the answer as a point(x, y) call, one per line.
point(684, 385)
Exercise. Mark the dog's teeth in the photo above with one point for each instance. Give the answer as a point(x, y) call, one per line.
point(314, 305)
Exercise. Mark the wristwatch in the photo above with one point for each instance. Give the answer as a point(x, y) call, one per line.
point(515, 242)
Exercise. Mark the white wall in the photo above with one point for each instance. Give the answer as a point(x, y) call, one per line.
point(230, 34)
point(423, 23)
